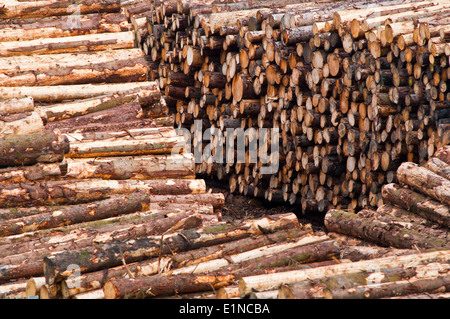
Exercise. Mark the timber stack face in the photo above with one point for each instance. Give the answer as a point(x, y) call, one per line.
point(98, 199)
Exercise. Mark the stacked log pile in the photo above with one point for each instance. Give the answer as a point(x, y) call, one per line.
point(355, 89)
point(98, 199)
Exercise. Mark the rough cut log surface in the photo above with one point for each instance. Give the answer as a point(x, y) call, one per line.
point(40, 147)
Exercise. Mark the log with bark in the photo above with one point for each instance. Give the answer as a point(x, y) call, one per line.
point(27, 29)
point(110, 255)
point(417, 203)
point(381, 232)
point(274, 281)
point(68, 215)
point(30, 263)
point(334, 286)
point(81, 43)
point(425, 181)
point(145, 96)
point(40, 147)
point(82, 191)
point(26, 9)
point(58, 93)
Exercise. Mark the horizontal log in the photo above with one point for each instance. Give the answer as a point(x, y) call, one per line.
point(25, 29)
point(417, 203)
point(70, 92)
point(143, 146)
point(16, 104)
point(379, 231)
point(425, 181)
point(75, 68)
point(120, 114)
point(40, 147)
point(81, 43)
point(142, 167)
point(79, 191)
point(24, 9)
point(20, 124)
point(273, 281)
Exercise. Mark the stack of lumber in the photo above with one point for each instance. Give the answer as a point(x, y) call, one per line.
point(354, 88)
point(416, 212)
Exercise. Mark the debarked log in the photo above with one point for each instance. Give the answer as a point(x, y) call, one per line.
point(147, 95)
point(60, 93)
point(16, 104)
point(126, 147)
point(74, 68)
point(140, 167)
point(40, 147)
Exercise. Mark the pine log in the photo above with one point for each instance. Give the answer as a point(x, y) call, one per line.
point(424, 181)
point(41, 147)
point(120, 114)
point(443, 154)
point(23, 9)
point(31, 263)
point(417, 203)
point(121, 227)
point(76, 68)
point(142, 167)
point(275, 280)
point(438, 167)
point(146, 96)
point(79, 191)
point(39, 171)
point(81, 43)
point(16, 104)
point(60, 93)
point(158, 265)
point(111, 255)
point(390, 289)
point(322, 287)
point(63, 26)
point(141, 287)
point(378, 231)
point(217, 200)
point(156, 123)
point(20, 124)
point(110, 207)
point(125, 147)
